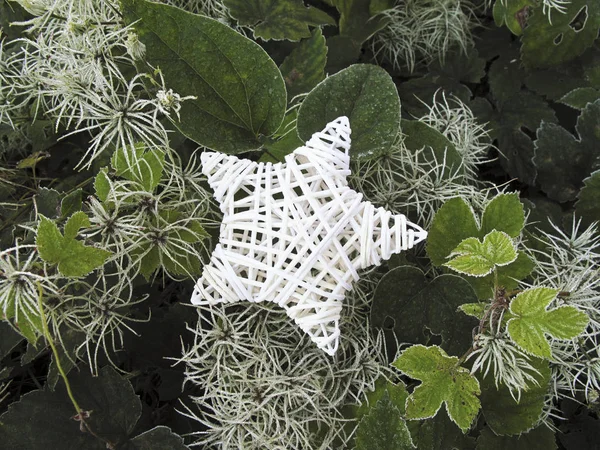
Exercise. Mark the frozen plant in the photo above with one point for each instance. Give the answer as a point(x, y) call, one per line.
point(422, 31)
point(262, 384)
point(458, 124)
point(74, 68)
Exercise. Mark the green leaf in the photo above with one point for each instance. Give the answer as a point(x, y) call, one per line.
point(102, 184)
point(73, 258)
point(141, 166)
point(71, 203)
point(532, 321)
point(452, 223)
point(287, 142)
point(158, 438)
point(567, 36)
point(418, 135)
point(524, 110)
point(304, 68)
point(579, 98)
point(76, 222)
point(277, 19)
point(477, 258)
point(357, 21)
point(513, 13)
point(508, 276)
point(396, 393)
point(503, 414)
point(439, 433)
point(114, 408)
point(366, 95)
point(9, 339)
point(443, 381)
point(504, 213)
point(47, 202)
point(588, 200)
point(383, 428)
point(476, 310)
point(422, 308)
point(31, 161)
point(540, 438)
point(562, 160)
point(240, 91)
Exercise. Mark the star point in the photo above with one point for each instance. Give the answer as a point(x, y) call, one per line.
point(296, 234)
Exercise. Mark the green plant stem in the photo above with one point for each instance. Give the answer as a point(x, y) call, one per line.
point(79, 412)
point(55, 352)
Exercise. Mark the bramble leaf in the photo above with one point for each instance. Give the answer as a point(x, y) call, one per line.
point(357, 21)
point(102, 184)
point(512, 13)
point(71, 203)
point(304, 68)
point(364, 93)
point(476, 258)
point(422, 308)
point(588, 200)
point(277, 19)
point(452, 223)
point(503, 414)
point(562, 160)
point(532, 321)
point(142, 166)
point(240, 93)
point(73, 258)
point(540, 438)
point(443, 381)
point(383, 428)
point(504, 213)
point(476, 310)
point(579, 98)
point(549, 43)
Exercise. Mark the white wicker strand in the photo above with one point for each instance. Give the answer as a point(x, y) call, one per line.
point(295, 234)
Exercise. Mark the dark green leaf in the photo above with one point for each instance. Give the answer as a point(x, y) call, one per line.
point(567, 36)
point(383, 428)
point(439, 433)
point(9, 339)
point(512, 13)
point(540, 438)
point(418, 135)
point(562, 160)
point(102, 184)
point(356, 21)
point(304, 68)
point(71, 203)
point(507, 417)
point(504, 213)
point(158, 438)
point(588, 200)
point(41, 420)
point(47, 202)
point(452, 223)
point(240, 91)
point(277, 19)
point(366, 95)
point(422, 305)
point(580, 97)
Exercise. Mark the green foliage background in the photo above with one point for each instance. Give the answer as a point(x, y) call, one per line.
point(259, 81)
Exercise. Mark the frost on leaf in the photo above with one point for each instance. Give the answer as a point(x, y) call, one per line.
point(476, 258)
point(443, 381)
point(532, 320)
point(74, 259)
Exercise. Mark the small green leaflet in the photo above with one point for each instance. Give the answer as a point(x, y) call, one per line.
point(532, 321)
point(476, 258)
point(476, 310)
point(443, 381)
point(141, 166)
point(73, 258)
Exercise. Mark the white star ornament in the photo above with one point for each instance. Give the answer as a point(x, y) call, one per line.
point(295, 234)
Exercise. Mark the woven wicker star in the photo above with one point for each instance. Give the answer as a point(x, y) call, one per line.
point(295, 234)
